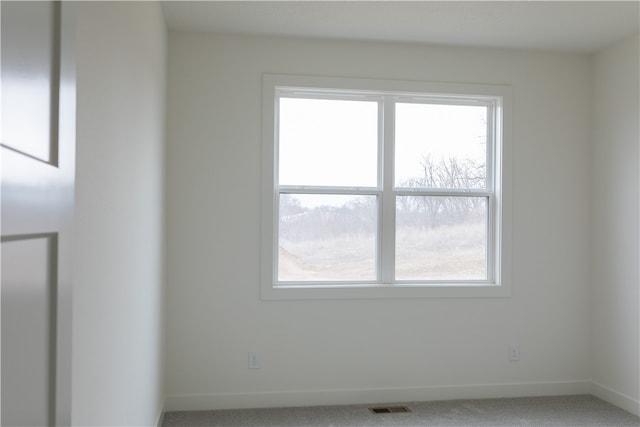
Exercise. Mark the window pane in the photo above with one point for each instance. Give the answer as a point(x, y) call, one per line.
point(440, 146)
point(441, 238)
point(327, 237)
point(328, 142)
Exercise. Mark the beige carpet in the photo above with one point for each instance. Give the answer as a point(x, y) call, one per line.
point(574, 411)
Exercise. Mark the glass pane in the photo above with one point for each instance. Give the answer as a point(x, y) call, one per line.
point(440, 146)
point(441, 238)
point(328, 142)
point(327, 237)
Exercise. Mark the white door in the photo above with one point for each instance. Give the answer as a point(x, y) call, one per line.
point(38, 154)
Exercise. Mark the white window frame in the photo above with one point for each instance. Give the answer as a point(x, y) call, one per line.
point(499, 197)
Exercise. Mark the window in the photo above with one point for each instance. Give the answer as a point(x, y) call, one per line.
point(375, 188)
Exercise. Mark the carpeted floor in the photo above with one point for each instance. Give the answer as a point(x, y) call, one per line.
point(574, 411)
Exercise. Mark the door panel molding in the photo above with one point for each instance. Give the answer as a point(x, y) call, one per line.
point(15, 308)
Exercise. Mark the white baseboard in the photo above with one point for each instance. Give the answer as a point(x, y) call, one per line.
point(196, 402)
point(621, 400)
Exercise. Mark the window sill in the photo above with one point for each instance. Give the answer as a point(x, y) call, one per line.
point(396, 291)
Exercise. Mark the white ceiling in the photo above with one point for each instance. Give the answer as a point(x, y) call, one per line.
point(570, 26)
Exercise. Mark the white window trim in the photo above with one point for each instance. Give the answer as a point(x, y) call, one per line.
point(500, 286)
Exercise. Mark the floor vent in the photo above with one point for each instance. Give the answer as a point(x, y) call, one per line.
point(389, 409)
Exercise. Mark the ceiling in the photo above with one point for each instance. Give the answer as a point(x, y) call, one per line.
point(568, 26)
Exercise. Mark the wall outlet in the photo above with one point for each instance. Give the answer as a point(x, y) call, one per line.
point(254, 360)
point(514, 352)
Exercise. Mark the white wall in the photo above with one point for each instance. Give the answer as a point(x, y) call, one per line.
point(616, 233)
point(118, 273)
point(343, 351)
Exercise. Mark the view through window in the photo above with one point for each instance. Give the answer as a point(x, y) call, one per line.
point(381, 187)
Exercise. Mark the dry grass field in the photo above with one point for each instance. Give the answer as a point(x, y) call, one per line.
point(445, 252)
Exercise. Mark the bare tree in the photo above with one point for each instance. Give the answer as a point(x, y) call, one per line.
point(452, 173)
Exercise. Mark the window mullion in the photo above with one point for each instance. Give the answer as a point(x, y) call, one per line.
point(492, 256)
point(490, 144)
point(388, 220)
